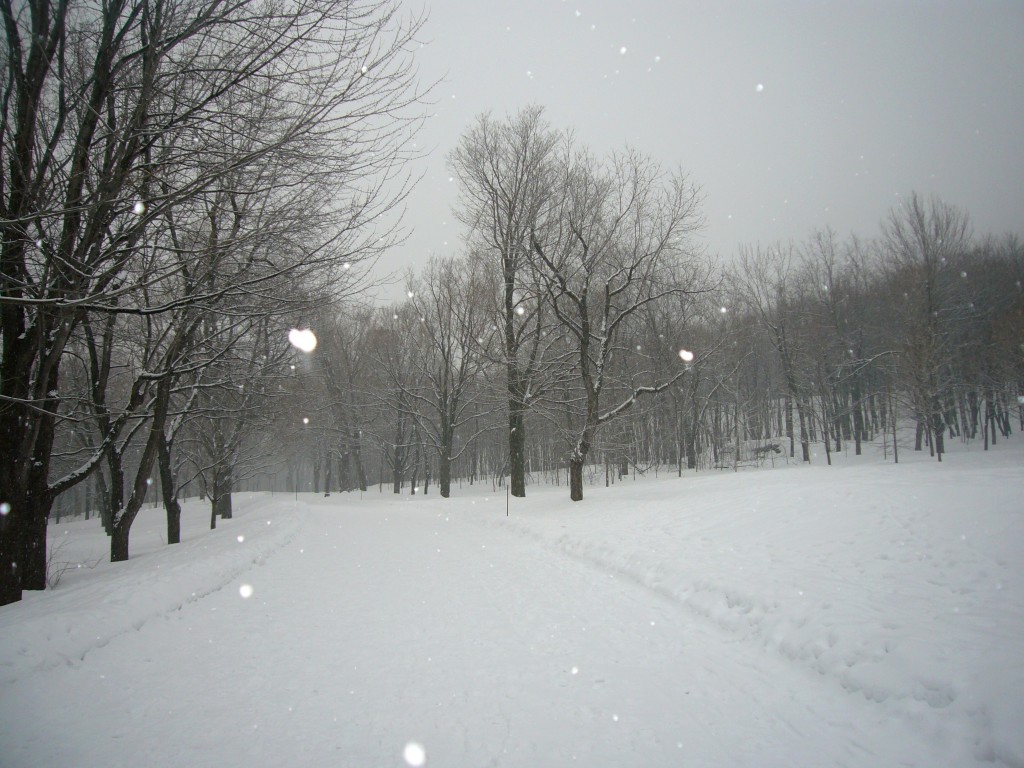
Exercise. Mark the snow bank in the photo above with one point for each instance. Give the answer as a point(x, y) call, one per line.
point(903, 584)
point(96, 601)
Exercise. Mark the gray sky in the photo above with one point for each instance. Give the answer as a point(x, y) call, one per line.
point(789, 115)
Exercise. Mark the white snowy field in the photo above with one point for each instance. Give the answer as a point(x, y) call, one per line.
point(858, 615)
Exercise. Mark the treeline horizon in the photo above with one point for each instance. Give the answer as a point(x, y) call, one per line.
point(826, 342)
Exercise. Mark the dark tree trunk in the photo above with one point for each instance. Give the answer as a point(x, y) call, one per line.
point(938, 430)
point(13, 523)
point(357, 457)
point(396, 474)
point(221, 496)
point(576, 478)
point(789, 426)
point(517, 450)
point(344, 480)
point(444, 463)
point(126, 515)
point(328, 478)
point(170, 493)
point(858, 417)
point(119, 542)
point(222, 507)
point(805, 445)
point(445, 474)
point(577, 460)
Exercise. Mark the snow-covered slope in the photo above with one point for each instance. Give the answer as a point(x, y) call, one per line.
point(863, 614)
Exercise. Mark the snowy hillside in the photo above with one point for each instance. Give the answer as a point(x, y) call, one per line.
point(864, 614)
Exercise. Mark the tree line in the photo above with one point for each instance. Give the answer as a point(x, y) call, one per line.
point(582, 329)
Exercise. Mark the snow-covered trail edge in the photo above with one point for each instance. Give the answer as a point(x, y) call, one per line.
point(62, 626)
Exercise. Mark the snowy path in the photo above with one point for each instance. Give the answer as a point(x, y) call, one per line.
point(524, 641)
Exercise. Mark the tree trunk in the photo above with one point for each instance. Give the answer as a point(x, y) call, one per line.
point(13, 523)
point(805, 445)
point(444, 463)
point(119, 540)
point(445, 474)
point(222, 489)
point(171, 505)
point(858, 417)
point(577, 460)
point(789, 426)
point(126, 515)
point(357, 456)
point(223, 504)
point(344, 481)
point(576, 476)
point(517, 450)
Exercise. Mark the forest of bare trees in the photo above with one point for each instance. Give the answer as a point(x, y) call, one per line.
point(185, 182)
point(180, 180)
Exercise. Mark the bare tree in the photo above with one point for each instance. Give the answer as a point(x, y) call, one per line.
point(767, 283)
point(451, 300)
point(925, 246)
point(507, 189)
point(611, 252)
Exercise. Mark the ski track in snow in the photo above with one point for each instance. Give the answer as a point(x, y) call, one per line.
point(855, 616)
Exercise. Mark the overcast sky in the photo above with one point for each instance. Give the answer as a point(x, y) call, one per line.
point(789, 115)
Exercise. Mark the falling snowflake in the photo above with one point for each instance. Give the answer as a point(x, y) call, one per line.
point(685, 355)
point(139, 208)
point(760, 87)
point(245, 591)
point(5, 509)
point(241, 539)
point(303, 339)
point(414, 754)
point(622, 51)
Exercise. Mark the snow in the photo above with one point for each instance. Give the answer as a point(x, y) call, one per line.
point(302, 339)
point(863, 614)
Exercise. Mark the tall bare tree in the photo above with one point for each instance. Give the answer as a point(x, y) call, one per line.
point(508, 187)
point(613, 250)
point(767, 282)
point(926, 243)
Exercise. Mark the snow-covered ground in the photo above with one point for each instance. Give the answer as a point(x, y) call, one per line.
point(858, 615)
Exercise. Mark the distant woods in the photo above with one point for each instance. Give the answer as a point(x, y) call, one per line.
point(182, 184)
point(658, 359)
point(582, 333)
